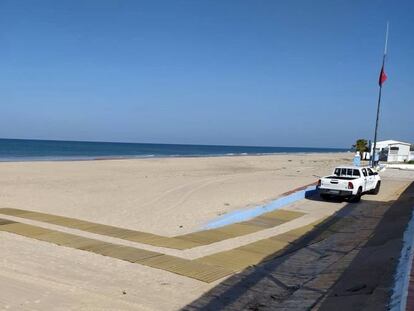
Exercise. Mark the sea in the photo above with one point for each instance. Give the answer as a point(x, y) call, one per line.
point(55, 150)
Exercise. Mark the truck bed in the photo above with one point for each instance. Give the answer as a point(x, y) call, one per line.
point(340, 177)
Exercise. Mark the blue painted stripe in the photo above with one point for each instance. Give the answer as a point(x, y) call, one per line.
point(246, 214)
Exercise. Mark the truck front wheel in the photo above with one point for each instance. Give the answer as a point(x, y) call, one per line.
point(377, 188)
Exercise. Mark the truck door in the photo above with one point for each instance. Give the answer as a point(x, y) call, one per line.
point(371, 179)
point(365, 179)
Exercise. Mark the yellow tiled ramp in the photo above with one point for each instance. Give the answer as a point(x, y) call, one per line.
point(116, 232)
point(241, 257)
point(182, 242)
point(206, 269)
point(189, 268)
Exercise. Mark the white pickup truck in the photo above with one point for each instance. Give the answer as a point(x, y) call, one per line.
point(349, 182)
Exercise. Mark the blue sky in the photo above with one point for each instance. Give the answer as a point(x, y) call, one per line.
point(277, 73)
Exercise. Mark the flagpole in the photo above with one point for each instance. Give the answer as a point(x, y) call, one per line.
point(379, 98)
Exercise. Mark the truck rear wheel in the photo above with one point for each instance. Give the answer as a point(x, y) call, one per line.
point(356, 198)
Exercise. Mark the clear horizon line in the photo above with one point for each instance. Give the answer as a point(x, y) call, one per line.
point(179, 144)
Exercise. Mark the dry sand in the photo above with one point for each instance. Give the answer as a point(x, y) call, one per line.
point(164, 196)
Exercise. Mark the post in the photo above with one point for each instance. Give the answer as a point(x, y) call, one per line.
point(376, 127)
point(379, 99)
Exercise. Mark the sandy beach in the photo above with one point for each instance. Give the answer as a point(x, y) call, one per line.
point(166, 196)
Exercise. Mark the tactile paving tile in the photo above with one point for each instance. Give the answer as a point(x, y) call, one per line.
point(264, 247)
point(12, 211)
point(251, 254)
point(182, 242)
point(6, 222)
point(23, 229)
point(259, 223)
point(185, 267)
point(112, 231)
point(234, 259)
point(206, 237)
point(206, 269)
point(283, 215)
point(265, 222)
point(190, 268)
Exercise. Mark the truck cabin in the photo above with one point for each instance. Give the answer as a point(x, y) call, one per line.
point(352, 173)
point(346, 173)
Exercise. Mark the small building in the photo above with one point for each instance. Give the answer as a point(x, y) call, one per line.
point(393, 151)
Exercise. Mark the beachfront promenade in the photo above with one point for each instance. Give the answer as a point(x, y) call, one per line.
point(305, 254)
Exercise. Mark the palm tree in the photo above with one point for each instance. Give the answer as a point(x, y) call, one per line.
point(361, 146)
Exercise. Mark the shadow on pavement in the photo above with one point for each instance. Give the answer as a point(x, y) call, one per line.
point(316, 197)
point(368, 281)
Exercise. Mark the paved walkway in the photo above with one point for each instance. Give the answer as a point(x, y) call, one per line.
point(368, 282)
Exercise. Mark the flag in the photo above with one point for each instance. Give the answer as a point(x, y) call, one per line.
point(382, 76)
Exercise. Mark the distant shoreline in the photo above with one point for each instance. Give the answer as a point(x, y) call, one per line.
point(17, 150)
point(148, 157)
